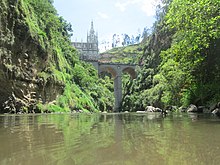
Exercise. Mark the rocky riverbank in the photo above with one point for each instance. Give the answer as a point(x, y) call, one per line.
point(215, 109)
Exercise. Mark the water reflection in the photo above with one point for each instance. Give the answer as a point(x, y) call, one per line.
point(88, 139)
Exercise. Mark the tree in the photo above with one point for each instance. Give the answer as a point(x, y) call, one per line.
point(145, 33)
point(196, 25)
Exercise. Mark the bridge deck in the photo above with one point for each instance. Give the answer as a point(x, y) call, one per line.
point(110, 63)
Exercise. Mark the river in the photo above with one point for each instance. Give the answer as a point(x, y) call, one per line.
point(109, 139)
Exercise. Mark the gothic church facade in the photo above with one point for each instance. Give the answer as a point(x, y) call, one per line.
point(88, 50)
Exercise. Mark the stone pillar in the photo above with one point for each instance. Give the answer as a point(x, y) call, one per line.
point(96, 65)
point(118, 91)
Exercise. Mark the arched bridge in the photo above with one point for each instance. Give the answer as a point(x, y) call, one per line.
point(116, 70)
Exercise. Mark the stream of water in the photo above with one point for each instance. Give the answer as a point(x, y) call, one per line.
point(109, 139)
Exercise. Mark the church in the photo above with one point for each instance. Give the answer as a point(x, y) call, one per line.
point(88, 50)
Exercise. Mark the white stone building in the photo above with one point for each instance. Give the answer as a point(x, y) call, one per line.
point(88, 50)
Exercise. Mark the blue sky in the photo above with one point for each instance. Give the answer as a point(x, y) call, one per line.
point(109, 16)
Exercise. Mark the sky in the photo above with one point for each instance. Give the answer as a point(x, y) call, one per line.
point(109, 16)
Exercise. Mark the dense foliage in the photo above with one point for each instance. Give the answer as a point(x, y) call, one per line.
point(126, 55)
point(82, 88)
point(179, 64)
point(181, 58)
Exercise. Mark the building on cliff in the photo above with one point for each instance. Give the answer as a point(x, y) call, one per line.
point(88, 50)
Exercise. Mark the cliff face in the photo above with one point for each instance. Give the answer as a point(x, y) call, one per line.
point(39, 68)
point(22, 58)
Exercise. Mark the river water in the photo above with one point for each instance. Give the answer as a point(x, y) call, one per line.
point(109, 139)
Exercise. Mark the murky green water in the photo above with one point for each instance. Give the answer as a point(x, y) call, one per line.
point(109, 139)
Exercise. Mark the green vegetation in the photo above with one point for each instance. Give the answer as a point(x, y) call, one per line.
point(126, 55)
point(82, 90)
point(181, 57)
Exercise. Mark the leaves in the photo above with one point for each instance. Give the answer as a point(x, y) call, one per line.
point(82, 89)
point(187, 38)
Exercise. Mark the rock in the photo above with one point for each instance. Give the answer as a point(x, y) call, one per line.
point(140, 111)
point(158, 110)
point(216, 112)
point(150, 109)
point(203, 109)
point(218, 104)
point(182, 109)
point(80, 111)
point(192, 108)
point(22, 60)
point(171, 108)
point(214, 106)
point(215, 109)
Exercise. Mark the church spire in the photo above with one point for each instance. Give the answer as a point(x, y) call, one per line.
point(92, 28)
point(92, 37)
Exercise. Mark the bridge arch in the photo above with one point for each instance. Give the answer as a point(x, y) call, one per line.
point(131, 71)
point(116, 70)
point(108, 69)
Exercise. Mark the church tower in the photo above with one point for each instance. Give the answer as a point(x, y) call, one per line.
point(92, 37)
point(89, 50)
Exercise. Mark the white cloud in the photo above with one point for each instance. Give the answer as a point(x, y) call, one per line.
point(121, 6)
point(103, 15)
point(147, 6)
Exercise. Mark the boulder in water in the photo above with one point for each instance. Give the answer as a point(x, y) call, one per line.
point(192, 108)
